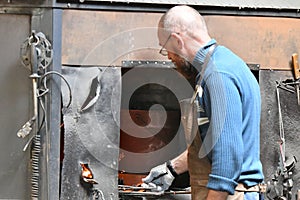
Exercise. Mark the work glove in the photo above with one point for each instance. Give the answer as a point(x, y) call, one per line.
point(160, 177)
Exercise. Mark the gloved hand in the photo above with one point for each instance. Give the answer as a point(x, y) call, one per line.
point(161, 177)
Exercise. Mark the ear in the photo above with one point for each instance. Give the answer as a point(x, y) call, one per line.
point(179, 40)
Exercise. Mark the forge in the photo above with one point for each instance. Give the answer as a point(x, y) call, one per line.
point(133, 126)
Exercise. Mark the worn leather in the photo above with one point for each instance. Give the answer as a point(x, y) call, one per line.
point(199, 169)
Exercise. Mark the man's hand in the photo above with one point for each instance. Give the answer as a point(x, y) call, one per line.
point(161, 176)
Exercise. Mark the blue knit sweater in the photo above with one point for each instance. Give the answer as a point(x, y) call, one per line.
point(231, 101)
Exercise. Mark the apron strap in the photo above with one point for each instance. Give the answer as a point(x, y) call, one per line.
point(198, 89)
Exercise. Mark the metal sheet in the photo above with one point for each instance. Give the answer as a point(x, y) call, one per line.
point(91, 136)
point(52, 154)
point(15, 106)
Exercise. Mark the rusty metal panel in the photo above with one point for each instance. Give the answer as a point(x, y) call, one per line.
point(106, 38)
point(265, 40)
point(15, 105)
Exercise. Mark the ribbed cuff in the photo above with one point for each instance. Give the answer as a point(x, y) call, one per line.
point(221, 184)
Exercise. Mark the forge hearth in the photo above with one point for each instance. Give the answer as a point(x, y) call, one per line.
point(144, 141)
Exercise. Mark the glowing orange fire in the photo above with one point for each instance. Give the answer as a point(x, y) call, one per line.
point(86, 174)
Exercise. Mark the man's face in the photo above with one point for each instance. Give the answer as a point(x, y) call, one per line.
point(168, 43)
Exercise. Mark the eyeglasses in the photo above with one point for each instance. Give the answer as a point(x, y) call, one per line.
point(163, 51)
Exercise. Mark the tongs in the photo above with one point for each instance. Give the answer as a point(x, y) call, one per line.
point(148, 190)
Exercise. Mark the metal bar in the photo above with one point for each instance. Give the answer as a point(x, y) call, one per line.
point(146, 63)
point(21, 8)
point(204, 9)
point(50, 23)
point(55, 109)
point(281, 132)
point(137, 193)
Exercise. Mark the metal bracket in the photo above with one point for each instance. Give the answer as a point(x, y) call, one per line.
point(168, 64)
point(43, 50)
point(148, 63)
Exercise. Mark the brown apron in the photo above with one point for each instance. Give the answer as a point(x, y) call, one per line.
point(199, 169)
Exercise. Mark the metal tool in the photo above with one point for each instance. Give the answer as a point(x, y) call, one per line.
point(281, 130)
point(147, 191)
point(36, 148)
point(36, 55)
point(44, 51)
point(282, 180)
point(26, 128)
point(130, 187)
point(295, 65)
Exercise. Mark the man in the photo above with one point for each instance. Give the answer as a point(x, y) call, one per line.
point(227, 164)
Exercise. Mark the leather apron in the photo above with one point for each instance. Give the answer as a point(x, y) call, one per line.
point(199, 168)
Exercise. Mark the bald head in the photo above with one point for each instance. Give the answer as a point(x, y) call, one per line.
point(182, 32)
point(183, 19)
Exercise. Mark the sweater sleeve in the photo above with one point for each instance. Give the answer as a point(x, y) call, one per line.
point(224, 108)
